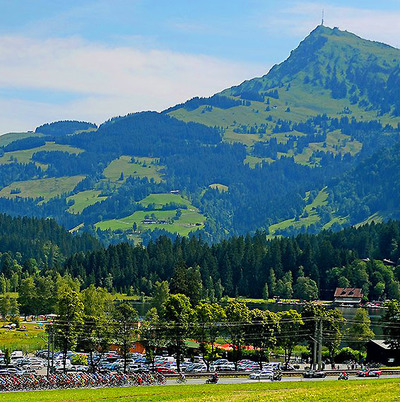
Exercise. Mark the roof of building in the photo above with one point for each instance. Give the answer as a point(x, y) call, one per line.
point(348, 292)
point(381, 343)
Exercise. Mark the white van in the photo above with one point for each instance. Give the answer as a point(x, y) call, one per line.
point(17, 354)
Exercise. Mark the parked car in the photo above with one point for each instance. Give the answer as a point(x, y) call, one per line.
point(166, 370)
point(222, 365)
point(249, 367)
point(370, 373)
point(261, 375)
point(196, 368)
point(314, 374)
point(225, 367)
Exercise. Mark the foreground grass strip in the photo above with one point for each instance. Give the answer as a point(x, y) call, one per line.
point(332, 391)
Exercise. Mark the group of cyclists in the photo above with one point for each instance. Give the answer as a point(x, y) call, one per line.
point(30, 382)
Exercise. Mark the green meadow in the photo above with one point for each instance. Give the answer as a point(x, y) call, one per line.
point(31, 339)
point(188, 220)
point(381, 390)
point(83, 200)
point(140, 168)
point(309, 215)
point(165, 198)
point(25, 156)
point(8, 138)
point(183, 226)
point(220, 187)
point(46, 188)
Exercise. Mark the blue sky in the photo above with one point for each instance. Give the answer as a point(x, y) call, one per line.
point(91, 60)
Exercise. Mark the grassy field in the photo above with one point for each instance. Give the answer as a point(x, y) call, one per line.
point(8, 138)
point(25, 156)
point(301, 109)
point(308, 217)
point(189, 220)
point(377, 217)
point(363, 390)
point(142, 167)
point(84, 199)
point(183, 226)
point(252, 161)
point(30, 340)
point(164, 198)
point(46, 188)
point(336, 142)
point(220, 187)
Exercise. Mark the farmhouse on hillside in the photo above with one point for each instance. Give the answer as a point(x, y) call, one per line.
point(348, 296)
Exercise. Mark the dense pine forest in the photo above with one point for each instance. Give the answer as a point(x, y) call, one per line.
point(42, 240)
point(305, 266)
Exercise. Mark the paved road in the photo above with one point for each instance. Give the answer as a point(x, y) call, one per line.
point(244, 380)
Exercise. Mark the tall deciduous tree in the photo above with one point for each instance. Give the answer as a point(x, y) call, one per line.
point(27, 296)
point(178, 316)
point(290, 324)
point(69, 321)
point(262, 331)
point(98, 331)
point(210, 318)
point(306, 289)
point(152, 335)
point(125, 320)
point(5, 305)
point(160, 296)
point(333, 324)
point(237, 319)
point(360, 331)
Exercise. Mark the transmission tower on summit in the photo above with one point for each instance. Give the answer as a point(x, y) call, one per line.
point(322, 21)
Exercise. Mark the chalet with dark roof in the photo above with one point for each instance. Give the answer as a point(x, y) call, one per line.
point(378, 351)
point(348, 296)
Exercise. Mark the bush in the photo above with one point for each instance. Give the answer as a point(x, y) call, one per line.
point(79, 360)
point(347, 354)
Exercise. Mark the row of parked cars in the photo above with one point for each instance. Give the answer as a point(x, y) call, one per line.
point(164, 364)
point(21, 364)
point(167, 365)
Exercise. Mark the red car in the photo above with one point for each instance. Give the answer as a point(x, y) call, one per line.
point(370, 373)
point(165, 370)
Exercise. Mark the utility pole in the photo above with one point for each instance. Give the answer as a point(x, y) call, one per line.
point(320, 345)
point(315, 344)
point(52, 353)
point(48, 351)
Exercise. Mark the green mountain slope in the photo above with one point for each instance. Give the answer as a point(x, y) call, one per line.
point(283, 152)
point(331, 72)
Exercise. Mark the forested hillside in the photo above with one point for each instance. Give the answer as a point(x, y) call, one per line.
point(42, 240)
point(36, 252)
point(306, 266)
point(309, 146)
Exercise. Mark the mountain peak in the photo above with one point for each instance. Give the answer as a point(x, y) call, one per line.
point(329, 55)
